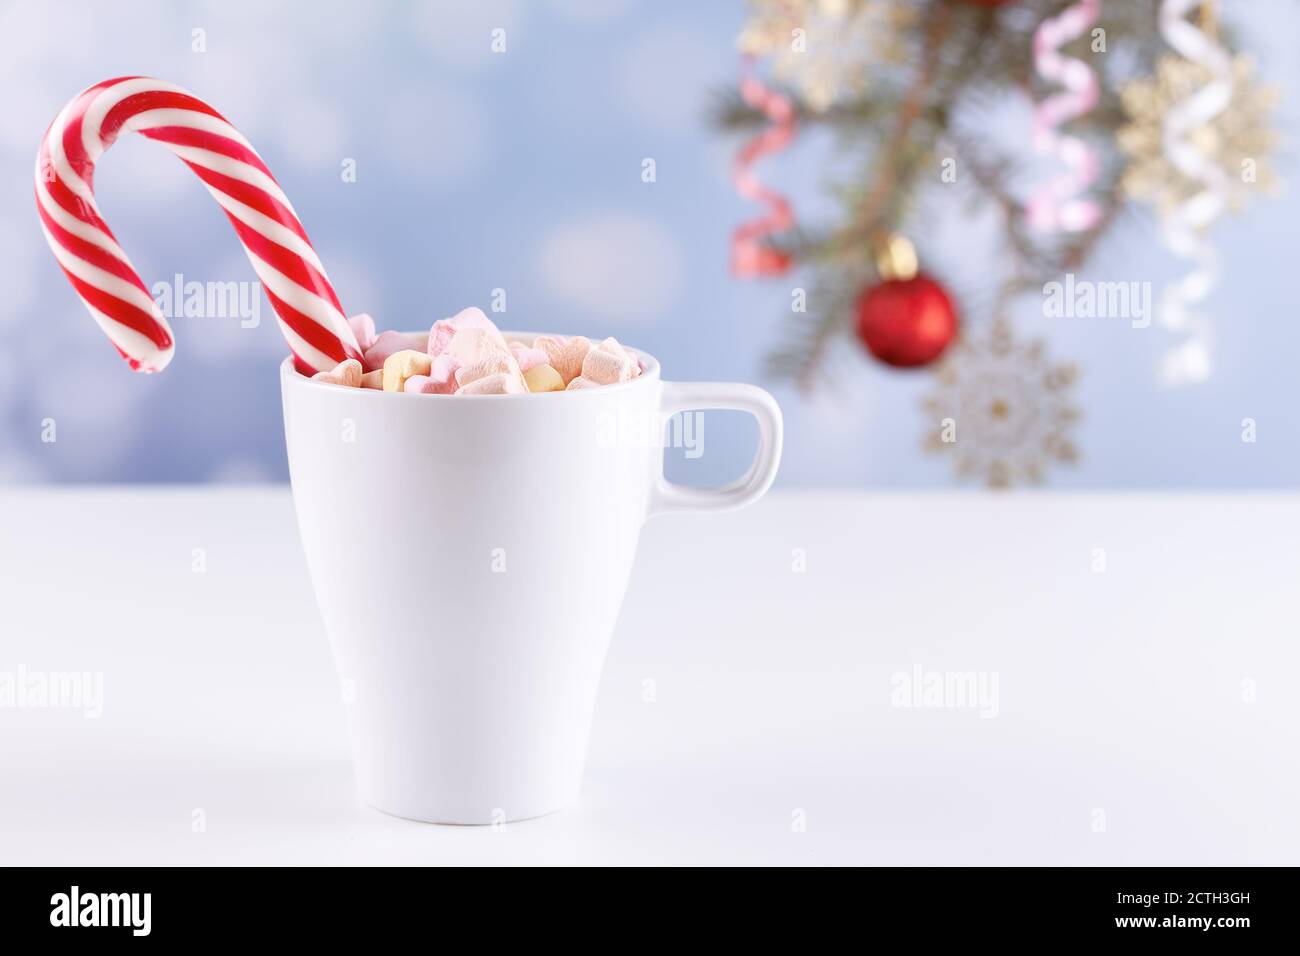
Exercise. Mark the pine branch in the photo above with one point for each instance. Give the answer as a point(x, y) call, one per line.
point(730, 112)
point(964, 60)
point(878, 207)
point(802, 355)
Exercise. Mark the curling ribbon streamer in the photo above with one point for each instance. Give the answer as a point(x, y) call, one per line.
point(1057, 206)
point(309, 313)
point(1184, 227)
point(750, 255)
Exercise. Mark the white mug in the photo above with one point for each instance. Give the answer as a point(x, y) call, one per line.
point(469, 555)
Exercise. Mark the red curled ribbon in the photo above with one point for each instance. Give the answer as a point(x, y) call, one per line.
point(750, 255)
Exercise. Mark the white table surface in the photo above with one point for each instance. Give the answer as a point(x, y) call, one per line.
point(1123, 733)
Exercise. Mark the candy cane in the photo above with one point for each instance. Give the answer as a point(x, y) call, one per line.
point(1056, 205)
point(276, 243)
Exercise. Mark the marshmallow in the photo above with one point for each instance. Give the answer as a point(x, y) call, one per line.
point(471, 346)
point(564, 355)
point(400, 366)
point(441, 379)
point(495, 374)
point(386, 344)
point(501, 363)
point(467, 355)
point(347, 372)
point(609, 362)
point(543, 378)
point(498, 383)
point(527, 356)
point(363, 327)
point(444, 330)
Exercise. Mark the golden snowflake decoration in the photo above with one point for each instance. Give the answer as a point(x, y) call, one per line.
point(1240, 139)
point(825, 49)
point(1001, 409)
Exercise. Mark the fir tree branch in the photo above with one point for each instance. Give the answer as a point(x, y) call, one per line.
point(872, 216)
point(731, 113)
point(964, 59)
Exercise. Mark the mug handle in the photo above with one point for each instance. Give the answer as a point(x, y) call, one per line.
point(667, 496)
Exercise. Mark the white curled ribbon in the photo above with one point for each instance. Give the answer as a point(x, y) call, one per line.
point(1058, 205)
point(1184, 226)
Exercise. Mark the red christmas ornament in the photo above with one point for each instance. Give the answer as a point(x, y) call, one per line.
point(906, 322)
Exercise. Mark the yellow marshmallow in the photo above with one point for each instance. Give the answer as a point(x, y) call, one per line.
point(543, 378)
point(400, 366)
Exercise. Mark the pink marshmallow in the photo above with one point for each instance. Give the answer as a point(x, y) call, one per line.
point(580, 382)
point(386, 344)
point(347, 372)
point(441, 379)
point(470, 346)
point(501, 368)
point(528, 357)
point(608, 363)
point(444, 330)
point(498, 383)
point(500, 363)
point(363, 327)
point(565, 355)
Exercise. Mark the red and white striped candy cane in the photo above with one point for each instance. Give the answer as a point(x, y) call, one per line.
point(276, 243)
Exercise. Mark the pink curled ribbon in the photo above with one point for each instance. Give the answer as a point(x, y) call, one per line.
point(1057, 206)
point(750, 255)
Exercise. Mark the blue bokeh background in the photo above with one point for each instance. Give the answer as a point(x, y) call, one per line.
point(522, 171)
